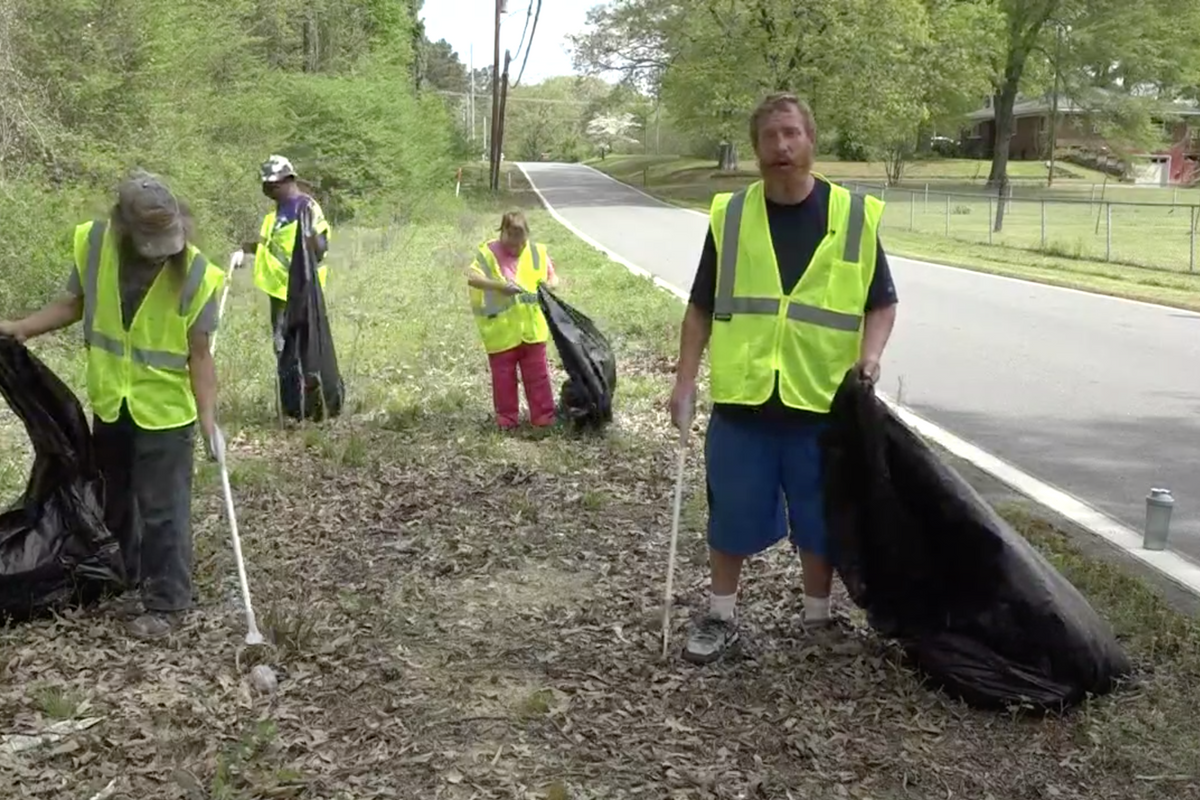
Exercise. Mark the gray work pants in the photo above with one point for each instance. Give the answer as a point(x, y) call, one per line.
point(278, 309)
point(148, 506)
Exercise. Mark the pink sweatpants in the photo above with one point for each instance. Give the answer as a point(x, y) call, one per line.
point(535, 374)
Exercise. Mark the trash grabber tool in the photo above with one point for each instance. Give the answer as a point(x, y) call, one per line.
point(253, 636)
point(233, 262)
point(684, 430)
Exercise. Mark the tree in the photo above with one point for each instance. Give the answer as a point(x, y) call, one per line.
point(1117, 58)
point(548, 117)
point(714, 59)
point(633, 38)
point(201, 93)
point(609, 131)
point(442, 68)
point(935, 73)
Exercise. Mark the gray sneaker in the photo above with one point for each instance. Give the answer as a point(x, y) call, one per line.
point(152, 625)
point(709, 638)
point(128, 605)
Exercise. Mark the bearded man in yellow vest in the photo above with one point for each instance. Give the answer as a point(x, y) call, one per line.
point(277, 237)
point(793, 291)
point(148, 303)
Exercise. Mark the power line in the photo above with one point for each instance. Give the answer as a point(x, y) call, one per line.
point(537, 14)
point(524, 30)
point(518, 98)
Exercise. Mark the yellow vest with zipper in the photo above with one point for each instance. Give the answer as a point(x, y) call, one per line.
point(145, 367)
point(808, 339)
point(507, 321)
point(273, 256)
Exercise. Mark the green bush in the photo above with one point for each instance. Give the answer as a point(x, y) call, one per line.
point(202, 93)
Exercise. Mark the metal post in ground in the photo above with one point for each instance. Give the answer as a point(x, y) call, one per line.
point(1108, 231)
point(1192, 240)
point(1159, 504)
point(1043, 224)
point(947, 216)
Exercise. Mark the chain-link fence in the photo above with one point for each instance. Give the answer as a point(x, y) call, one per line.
point(1154, 235)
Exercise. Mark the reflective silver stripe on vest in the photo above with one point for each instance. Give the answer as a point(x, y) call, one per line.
point(493, 302)
point(157, 359)
point(725, 305)
point(195, 279)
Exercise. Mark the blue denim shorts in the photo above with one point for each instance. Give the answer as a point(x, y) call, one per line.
point(763, 481)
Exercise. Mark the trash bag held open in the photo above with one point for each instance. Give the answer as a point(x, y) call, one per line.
point(55, 550)
point(586, 398)
point(977, 609)
point(310, 383)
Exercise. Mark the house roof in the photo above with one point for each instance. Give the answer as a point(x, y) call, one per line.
point(1029, 107)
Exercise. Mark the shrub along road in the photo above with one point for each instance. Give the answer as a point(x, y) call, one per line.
point(459, 614)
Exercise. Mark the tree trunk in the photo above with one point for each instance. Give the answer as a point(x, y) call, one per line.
point(1003, 103)
point(1004, 194)
point(727, 159)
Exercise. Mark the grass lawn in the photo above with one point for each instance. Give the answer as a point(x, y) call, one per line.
point(459, 614)
point(1148, 251)
point(956, 170)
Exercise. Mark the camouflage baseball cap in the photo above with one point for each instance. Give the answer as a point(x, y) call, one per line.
point(152, 214)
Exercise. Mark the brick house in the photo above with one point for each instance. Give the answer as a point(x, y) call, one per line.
point(1078, 136)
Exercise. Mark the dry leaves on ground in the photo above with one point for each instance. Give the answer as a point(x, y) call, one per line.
point(454, 620)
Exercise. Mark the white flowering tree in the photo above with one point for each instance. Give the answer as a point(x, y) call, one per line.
point(607, 131)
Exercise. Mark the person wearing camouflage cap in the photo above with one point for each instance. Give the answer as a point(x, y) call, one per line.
point(148, 302)
point(277, 236)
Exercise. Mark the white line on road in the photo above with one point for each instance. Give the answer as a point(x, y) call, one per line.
point(1180, 570)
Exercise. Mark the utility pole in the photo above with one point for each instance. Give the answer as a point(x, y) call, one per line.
point(471, 102)
point(499, 144)
point(495, 152)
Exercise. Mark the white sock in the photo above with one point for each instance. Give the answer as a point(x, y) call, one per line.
point(816, 609)
point(722, 605)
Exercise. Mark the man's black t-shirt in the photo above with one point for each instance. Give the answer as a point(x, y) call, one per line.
point(796, 231)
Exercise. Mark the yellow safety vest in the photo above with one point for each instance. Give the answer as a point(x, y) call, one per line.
point(809, 339)
point(506, 321)
point(146, 366)
point(273, 256)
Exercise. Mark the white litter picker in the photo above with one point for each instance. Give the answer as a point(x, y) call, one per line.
point(262, 676)
point(684, 429)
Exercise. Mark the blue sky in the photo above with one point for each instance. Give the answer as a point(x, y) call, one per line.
point(471, 22)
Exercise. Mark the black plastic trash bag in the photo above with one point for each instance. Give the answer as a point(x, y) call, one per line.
point(54, 548)
point(975, 606)
point(310, 384)
point(587, 394)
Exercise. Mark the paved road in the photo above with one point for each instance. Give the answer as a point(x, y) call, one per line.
point(1097, 396)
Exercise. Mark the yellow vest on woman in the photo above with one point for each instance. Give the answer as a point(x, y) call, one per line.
point(506, 321)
